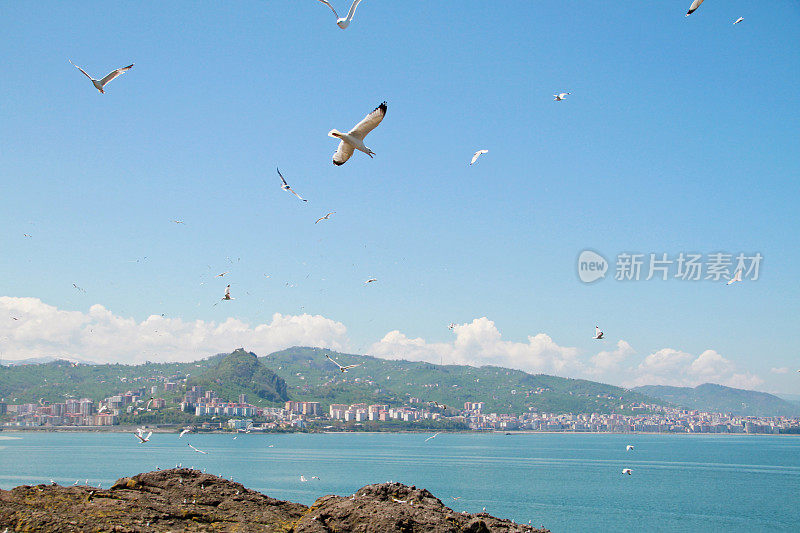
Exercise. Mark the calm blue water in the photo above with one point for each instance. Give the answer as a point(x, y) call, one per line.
point(564, 482)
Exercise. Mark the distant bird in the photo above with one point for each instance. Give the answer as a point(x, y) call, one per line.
point(432, 437)
point(629, 447)
point(693, 7)
point(303, 478)
point(439, 405)
point(560, 96)
point(341, 368)
point(326, 217)
point(99, 84)
point(737, 21)
point(82, 290)
point(371, 280)
point(314, 477)
point(195, 449)
point(451, 326)
point(141, 436)
point(147, 407)
point(456, 498)
point(178, 221)
point(222, 274)
point(343, 22)
point(26, 235)
point(228, 293)
point(736, 277)
point(477, 155)
point(399, 501)
point(184, 432)
point(354, 139)
point(597, 333)
point(286, 186)
point(14, 318)
point(628, 470)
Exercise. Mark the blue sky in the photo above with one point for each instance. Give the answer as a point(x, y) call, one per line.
point(680, 135)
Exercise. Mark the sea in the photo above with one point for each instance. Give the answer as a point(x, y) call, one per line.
point(564, 482)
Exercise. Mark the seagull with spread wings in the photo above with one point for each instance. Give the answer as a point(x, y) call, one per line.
point(228, 293)
point(343, 22)
point(432, 436)
point(141, 436)
point(195, 449)
point(286, 187)
point(99, 84)
point(326, 217)
point(341, 368)
point(560, 96)
point(476, 155)
point(736, 277)
point(597, 333)
point(371, 280)
point(354, 139)
point(737, 21)
point(184, 432)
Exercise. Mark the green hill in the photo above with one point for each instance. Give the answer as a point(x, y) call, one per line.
point(241, 373)
point(311, 377)
point(720, 399)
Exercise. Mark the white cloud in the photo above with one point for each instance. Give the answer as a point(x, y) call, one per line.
point(609, 361)
point(781, 370)
point(479, 343)
point(100, 335)
point(673, 367)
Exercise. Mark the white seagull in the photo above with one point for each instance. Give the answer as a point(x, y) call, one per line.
point(629, 447)
point(303, 478)
point(693, 7)
point(343, 22)
point(371, 280)
point(228, 293)
point(99, 84)
point(354, 139)
point(342, 368)
point(736, 277)
point(222, 274)
point(286, 186)
point(560, 96)
point(737, 21)
point(326, 217)
point(476, 155)
point(597, 333)
point(432, 437)
point(451, 326)
point(184, 432)
point(141, 436)
point(195, 449)
point(628, 470)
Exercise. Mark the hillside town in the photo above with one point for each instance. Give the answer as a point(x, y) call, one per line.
point(211, 412)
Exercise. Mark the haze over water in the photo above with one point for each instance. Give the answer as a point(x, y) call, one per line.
point(566, 482)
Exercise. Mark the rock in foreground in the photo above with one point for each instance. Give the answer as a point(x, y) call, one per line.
point(182, 499)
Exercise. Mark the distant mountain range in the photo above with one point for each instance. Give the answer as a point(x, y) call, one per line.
point(721, 399)
point(306, 374)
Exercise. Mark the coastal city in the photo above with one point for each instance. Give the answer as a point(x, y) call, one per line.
point(212, 413)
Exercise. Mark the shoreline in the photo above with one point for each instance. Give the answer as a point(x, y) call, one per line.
point(176, 429)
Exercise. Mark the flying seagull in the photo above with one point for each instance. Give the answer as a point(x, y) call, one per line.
point(28, 235)
point(222, 274)
point(736, 277)
point(178, 221)
point(141, 436)
point(371, 280)
point(354, 139)
point(597, 333)
point(560, 96)
point(228, 293)
point(738, 21)
point(432, 437)
point(477, 155)
point(303, 478)
point(99, 84)
point(286, 187)
point(629, 447)
point(451, 326)
point(184, 432)
point(693, 7)
point(341, 368)
point(326, 217)
point(195, 449)
point(343, 22)
point(628, 470)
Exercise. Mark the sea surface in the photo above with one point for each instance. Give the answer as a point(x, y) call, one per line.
point(565, 482)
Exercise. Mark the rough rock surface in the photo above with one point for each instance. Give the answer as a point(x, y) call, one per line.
point(182, 499)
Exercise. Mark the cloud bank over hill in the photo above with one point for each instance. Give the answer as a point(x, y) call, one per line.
point(30, 328)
